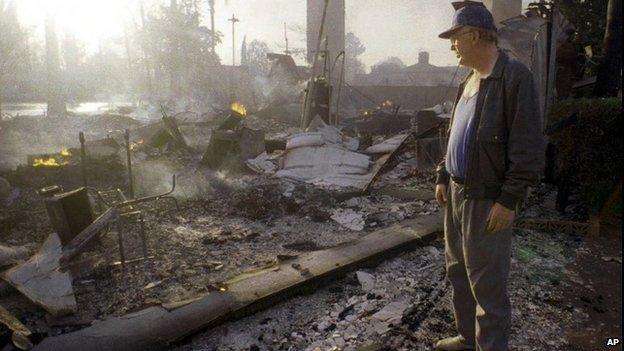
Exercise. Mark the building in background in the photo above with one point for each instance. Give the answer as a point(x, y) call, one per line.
point(421, 74)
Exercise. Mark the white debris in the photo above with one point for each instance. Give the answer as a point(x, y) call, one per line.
point(386, 146)
point(390, 314)
point(41, 280)
point(261, 164)
point(326, 166)
point(349, 219)
point(325, 157)
point(367, 280)
point(152, 285)
point(304, 139)
point(357, 202)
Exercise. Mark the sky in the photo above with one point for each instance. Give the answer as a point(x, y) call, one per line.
point(386, 28)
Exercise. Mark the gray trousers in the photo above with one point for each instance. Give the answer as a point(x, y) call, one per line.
point(477, 265)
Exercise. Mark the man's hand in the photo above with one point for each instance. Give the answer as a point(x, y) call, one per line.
point(440, 194)
point(500, 218)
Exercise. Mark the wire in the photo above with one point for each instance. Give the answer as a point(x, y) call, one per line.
point(361, 93)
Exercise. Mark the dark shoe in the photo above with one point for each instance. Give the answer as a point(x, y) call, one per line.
point(455, 343)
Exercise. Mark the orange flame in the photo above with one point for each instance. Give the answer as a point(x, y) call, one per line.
point(239, 108)
point(48, 162)
point(387, 103)
point(65, 152)
point(136, 144)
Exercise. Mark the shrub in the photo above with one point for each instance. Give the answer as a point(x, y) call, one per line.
point(589, 152)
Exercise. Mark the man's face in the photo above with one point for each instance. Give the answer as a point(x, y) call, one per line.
point(462, 43)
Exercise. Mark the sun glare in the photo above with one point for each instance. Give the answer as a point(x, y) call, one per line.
point(89, 20)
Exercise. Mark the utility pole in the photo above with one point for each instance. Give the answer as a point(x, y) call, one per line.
point(287, 52)
point(233, 20)
point(211, 3)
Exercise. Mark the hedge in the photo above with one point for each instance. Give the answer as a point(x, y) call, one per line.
point(589, 151)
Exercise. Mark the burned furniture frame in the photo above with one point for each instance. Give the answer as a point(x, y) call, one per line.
point(115, 206)
point(125, 209)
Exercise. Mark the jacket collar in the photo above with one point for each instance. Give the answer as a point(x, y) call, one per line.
point(499, 66)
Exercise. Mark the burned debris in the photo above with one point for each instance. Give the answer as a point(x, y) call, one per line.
point(280, 203)
point(105, 232)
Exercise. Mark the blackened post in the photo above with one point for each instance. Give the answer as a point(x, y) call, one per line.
point(83, 159)
point(122, 256)
point(130, 182)
point(142, 232)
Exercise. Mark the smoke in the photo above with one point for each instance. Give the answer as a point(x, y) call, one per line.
point(278, 89)
point(23, 136)
point(152, 177)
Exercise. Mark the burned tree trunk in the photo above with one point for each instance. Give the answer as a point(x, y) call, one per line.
point(56, 96)
point(609, 78)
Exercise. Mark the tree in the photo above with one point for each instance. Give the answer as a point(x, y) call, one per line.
point(56, 94)
point(12, 43)
point(353, 49)
point(388, 65)
point(609, 78)
point(589, 19)
point(178, 47)
point(243, 57)
point(73, 59)
point(257, 60)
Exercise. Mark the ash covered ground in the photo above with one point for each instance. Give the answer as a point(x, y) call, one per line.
point(231, 223)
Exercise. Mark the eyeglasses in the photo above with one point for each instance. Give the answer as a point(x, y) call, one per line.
point(455, 37)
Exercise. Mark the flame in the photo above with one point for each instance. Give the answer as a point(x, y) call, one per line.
point(136, 144)
point(387, 103)
point(239, 108)
point(47, 162)
point(65, 152)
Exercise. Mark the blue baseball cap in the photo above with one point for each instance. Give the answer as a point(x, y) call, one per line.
point(472, 15)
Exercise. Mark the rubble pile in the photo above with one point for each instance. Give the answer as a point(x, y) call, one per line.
point(276, 194)
point(405, 304)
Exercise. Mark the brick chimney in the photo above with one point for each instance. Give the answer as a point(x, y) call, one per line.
point(423, 58)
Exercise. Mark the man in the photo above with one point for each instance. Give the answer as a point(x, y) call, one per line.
point(495, 151)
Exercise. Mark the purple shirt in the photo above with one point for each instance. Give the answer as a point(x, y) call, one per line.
point(457, 149)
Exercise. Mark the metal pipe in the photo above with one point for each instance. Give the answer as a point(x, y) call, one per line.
point(340, 82)
point(139, 200)
point(130, 180)
point(142, 232)
point(83, 158)
point(148, 198)
point(122, 256)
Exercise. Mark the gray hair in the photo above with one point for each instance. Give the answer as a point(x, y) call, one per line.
point(486, 35)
